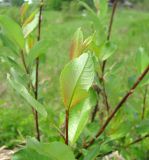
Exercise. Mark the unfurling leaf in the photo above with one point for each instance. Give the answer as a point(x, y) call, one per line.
point(24, 9)
point(76, 79)
point(30, 24)
point(76, 45)
point(12, 30)
point(26, 95)
point(87, 42)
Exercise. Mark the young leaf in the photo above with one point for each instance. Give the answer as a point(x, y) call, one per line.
point(44, 151)
point(76, 45)
point(26, 95)
point(39, 49)
point(12, 30)
point(107, 51)
point(30, 24)
point(142, 59)
point(79, 116)
point(76, 79)
point(24, 9)
point(87, 42)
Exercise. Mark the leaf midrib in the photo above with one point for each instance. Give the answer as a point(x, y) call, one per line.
point(77, 84)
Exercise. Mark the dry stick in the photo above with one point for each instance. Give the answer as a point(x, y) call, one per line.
point(66, 126)
point(37, 72)
point(120, 104)
point(144, 102)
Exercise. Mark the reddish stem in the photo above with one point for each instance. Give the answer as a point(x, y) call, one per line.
point(66, 126)
point(120, 104)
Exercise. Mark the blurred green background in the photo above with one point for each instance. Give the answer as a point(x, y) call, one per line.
point(61, 18)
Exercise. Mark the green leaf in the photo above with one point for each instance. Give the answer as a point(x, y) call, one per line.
point(142, 59)
point(46, 151)
point(12, 30)
point(29, 154)
point(76, 45)
point(107, 51)
point(39, 49)
point(26, 95)
point(142, 127)
point(98, 150)
point(79, 116)
point(92, 15)
point(102, 6)
point(76, 79)
point(9, 44)
point(30, 24)
point(92, 153)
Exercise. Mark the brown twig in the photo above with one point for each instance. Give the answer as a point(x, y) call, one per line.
point(105, 97)
point(24, 62)
point(66, 126)
point(120, 104)
point(37, 71)
point(144, 102)
point(94, 113)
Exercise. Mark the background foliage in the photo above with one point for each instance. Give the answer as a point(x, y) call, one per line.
point(57, 30)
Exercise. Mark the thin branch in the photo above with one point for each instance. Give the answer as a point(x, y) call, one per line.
point(138, 140)
point(105, 97)
point(144, 102)
point(37, 70)
point(104, 62)
point(94, 112)
point(66, 126)
point(96, 108)
point(24, 62)
point(120, 104)
point(110, 28)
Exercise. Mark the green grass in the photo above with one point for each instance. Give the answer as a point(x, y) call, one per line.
point(130, 31)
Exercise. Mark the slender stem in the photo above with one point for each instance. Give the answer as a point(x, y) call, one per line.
point(105, 97)
point(144, 102)
point(104, 62)
point(66, 126)
point(119, 105)
point(138, 140)
point(37, 71)
point(24, 62)
point(94, 113)
point(110, 28)
point(96, 108)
